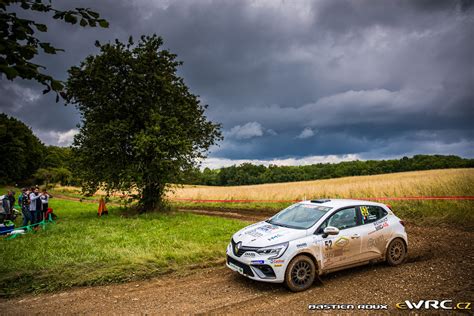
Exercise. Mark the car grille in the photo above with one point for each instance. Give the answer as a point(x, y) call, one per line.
point(245, 267)
point(241, 250)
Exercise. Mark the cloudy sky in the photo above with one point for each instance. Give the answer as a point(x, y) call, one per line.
point(292, 82)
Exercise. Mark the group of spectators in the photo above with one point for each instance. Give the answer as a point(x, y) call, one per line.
point(33, 203)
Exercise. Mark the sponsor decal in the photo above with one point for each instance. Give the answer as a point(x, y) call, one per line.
point(335, 250)
point(301, 245)
point(277, 265)
point(334, 253)
point(434, 304)
point(331, 252)
point(267, 228)
point(254, 233)
point(375, 242)
point(342, 242)
point(328, 244)
point(259, 231)
point(378, 225)
point(257, 261)
point(277, 261)
point(275, 237)
point(236, 268)
point(249, 254)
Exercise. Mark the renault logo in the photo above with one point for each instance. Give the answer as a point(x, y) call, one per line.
point(237, 247)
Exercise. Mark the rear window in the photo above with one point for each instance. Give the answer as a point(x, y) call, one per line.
point(371, 213)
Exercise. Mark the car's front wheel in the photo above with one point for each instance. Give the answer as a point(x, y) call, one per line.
point(396, 252)
point(300, 273)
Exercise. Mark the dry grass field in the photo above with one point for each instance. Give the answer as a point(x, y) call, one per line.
point(417, 183)
point(271, 198)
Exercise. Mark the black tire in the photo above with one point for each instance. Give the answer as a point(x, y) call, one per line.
point(300, 273)
point(396, 252)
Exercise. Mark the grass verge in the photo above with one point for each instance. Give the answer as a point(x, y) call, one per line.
point(81, 249)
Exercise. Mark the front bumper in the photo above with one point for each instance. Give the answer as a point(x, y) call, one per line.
point(257, 268)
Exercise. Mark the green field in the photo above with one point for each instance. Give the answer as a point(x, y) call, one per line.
point(81, 249)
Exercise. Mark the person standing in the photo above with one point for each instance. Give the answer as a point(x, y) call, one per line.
point(45, 196)
point(24, 202)
point(35, 205)
point(11, 199)
point(5, 207)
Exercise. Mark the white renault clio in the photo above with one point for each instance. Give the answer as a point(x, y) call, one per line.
point(316, 237)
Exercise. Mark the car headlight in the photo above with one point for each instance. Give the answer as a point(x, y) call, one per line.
point(275, 251)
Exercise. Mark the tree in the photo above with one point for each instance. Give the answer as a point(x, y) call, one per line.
point(22, 151)
point(53, 175)
point(55, 157)
point(141, 127)
point(247, 173)
point(19, 43)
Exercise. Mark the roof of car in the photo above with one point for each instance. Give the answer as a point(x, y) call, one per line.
point(337, 203)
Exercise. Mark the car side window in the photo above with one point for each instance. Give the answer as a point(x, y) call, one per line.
point(342, 219)
point(371, 213)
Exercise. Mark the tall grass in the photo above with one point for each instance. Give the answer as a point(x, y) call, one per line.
point(448, 182)
point(81, 249)
point(417, 183)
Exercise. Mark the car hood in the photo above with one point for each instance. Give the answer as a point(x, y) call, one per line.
point(263, 234)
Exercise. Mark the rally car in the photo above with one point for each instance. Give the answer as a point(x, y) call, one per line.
point(315, 237)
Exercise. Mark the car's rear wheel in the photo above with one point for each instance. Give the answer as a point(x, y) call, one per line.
point(300, 273)
point(396, 252)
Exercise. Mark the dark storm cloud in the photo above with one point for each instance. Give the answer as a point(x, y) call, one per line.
point(295, 78)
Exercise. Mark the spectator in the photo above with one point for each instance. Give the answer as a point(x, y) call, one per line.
point(4, 207)
point(45, 200)
point(11, 199)
point(35, 205)
point(24, 202)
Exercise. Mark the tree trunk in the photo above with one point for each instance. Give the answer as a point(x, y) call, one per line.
point(152, 197)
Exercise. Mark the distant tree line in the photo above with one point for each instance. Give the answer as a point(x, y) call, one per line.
point(248, 173)
point(25, 160)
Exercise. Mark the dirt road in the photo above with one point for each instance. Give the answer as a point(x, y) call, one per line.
point(439, 266)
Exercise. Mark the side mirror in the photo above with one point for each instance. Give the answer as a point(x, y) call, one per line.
point(330, 230)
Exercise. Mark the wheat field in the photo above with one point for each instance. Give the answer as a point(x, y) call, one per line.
point(444, 182)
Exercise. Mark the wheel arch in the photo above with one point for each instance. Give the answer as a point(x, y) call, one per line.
point(310, 255)
point(403, 238)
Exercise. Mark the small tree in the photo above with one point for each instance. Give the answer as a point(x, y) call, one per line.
point(141, 126)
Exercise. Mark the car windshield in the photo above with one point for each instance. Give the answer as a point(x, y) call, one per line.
point(299, 216)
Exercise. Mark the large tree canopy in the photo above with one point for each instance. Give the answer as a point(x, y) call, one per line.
point(141, 126)
point(22, 152)
point(19, 43)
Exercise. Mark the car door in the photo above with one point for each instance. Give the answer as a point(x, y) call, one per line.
point(344, 248)
point(376, 231)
